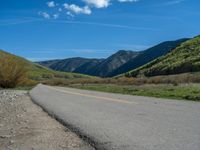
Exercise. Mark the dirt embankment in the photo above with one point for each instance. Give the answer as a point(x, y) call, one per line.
point(25, 126)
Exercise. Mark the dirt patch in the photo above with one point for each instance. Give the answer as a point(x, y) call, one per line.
point(25, 126)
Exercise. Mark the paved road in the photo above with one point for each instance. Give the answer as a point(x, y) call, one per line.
point(122, 122)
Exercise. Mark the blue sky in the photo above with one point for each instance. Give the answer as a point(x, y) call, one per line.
point(42, 29)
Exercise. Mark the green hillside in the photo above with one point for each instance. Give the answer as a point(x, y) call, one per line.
point(185, 58)
point(38, 72)
point(148, 55)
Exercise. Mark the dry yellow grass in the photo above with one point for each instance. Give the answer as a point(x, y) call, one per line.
point(12, 72)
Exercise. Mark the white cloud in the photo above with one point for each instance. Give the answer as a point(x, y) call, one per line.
point(98, 3)
point(55, 16)
point(73, 9)
point(45, 15)
point(51, 4)
point(70, 14)
point(77, 9)
point(128, 1)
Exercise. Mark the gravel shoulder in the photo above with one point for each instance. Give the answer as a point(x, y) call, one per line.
point(25, 126)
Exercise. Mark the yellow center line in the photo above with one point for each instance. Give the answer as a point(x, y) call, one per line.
point(93, 96)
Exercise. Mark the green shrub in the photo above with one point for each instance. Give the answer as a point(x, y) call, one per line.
point(12, 72)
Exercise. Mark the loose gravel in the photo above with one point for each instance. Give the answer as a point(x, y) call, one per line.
point(25, 126)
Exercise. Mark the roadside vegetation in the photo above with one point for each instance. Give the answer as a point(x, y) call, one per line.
point(183, 86)
point(170, 79)
point(183, 91)
point(12, 72)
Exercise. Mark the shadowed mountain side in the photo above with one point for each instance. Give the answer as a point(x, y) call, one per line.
point(96, 67)
point(88, 66)
point(68, 65)
point(113, 62)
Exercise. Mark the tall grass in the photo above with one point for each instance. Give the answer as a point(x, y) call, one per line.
point(171, 79)
point(12, 72)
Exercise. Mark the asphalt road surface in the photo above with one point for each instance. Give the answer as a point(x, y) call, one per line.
point(123, 122)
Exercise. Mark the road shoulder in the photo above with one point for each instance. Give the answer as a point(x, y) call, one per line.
point(24, 125)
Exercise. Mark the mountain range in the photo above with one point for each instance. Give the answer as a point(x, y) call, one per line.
point(95, 67)
point(118, 63)
point(171, 57)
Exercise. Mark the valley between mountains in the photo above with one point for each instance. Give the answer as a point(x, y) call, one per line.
point(170, 69)
point(118, 63)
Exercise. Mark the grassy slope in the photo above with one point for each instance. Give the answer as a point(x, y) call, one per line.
point(187, 91)
point(37, 72)
point(185, 58)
